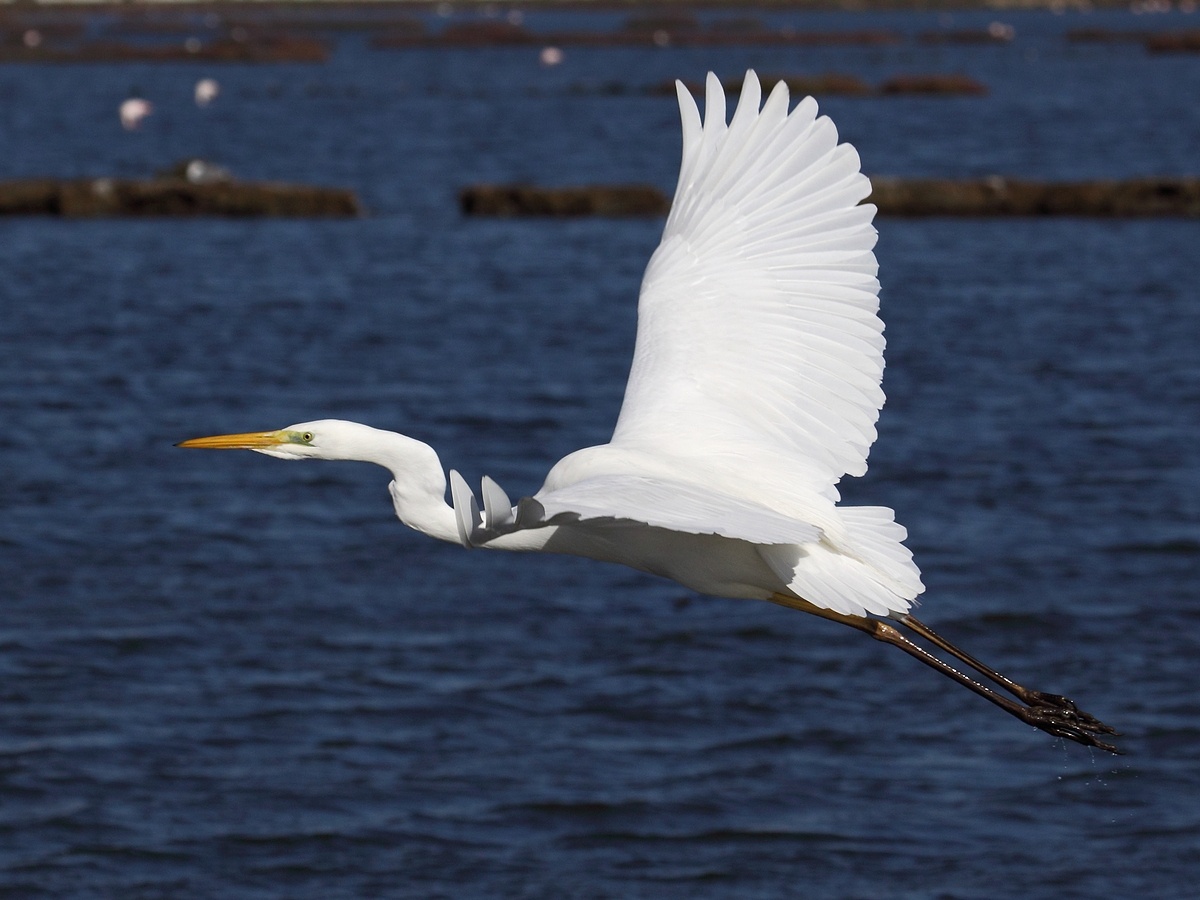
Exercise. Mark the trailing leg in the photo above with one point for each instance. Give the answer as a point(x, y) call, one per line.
point(1025, 695)
point(1060, 719)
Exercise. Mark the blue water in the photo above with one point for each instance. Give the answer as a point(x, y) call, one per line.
point(226, 676)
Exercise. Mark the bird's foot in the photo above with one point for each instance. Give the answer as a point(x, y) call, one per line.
point(1068, 707)
point(1061, 717)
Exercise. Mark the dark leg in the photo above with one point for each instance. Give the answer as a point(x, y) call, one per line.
point(1059, 720)
point(1033, 698)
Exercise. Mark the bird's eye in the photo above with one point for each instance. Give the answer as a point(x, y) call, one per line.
point(307, 437)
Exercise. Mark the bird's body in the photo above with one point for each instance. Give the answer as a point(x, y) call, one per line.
point(754, 388)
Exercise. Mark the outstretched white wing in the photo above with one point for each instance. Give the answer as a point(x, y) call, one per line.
point(757, 337)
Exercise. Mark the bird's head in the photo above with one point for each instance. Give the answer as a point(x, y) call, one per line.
point(323, 439)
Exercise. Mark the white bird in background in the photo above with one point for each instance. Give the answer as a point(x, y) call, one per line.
point(755, 387)
point(133, 111)
point(206, 91)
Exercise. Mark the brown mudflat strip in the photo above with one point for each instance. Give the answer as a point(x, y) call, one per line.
point(94, 197)
point(993, 196)
point(595, 200)
point(996, 196)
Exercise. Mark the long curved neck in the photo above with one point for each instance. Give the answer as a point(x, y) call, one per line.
point(418, 485)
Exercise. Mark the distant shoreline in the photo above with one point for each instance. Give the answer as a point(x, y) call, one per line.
point(998, 6)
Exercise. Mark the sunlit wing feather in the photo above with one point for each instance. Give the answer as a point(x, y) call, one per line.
point(757, 336)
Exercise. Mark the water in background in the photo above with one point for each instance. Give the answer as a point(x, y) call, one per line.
point(224, 676)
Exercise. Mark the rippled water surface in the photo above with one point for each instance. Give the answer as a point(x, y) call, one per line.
point(226, 676)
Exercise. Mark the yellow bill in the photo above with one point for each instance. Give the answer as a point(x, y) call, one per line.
point(250, 440)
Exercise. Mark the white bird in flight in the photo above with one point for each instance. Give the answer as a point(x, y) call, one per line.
point(755, 386)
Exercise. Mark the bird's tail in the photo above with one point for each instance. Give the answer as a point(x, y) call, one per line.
point(867, 572)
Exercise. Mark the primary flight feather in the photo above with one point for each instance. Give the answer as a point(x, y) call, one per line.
point(754, 388)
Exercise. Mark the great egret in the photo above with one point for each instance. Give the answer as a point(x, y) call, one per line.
point(755, 386)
